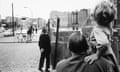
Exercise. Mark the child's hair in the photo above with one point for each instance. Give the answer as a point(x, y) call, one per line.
point(104, 13)
point(77, 43)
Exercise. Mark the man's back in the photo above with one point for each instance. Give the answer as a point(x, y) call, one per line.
point(77, 64)
point(44, 41)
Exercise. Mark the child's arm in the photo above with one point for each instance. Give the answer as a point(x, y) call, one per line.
point(100, 42)
point(91, 58)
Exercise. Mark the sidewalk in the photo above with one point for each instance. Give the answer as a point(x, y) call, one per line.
point(13, 39)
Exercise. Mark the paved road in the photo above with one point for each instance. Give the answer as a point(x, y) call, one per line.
point(19, 57)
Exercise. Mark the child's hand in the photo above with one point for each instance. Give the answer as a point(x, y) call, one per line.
point(90, 59)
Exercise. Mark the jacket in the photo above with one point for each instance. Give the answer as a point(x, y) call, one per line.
point(77, 64)
point(44, 42)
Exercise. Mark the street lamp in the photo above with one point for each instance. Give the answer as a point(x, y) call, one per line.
point(13, 19)
point(31, 14)
point(30, 11)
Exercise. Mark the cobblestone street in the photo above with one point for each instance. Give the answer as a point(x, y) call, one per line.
point(19, 57)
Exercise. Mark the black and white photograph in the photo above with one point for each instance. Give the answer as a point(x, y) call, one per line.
point(59, 35)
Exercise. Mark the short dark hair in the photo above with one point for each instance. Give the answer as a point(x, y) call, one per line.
point(44, 29)
point(77, 43)
point(104, 13)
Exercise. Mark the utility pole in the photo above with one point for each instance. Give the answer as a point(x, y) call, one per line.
point(48, 24)
point(73, 20)
point(38, 26)
point(13, 19)
point(76, 13)
point(76, 20)
point(56, 44)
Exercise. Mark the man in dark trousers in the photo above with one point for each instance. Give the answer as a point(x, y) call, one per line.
point(45, 48)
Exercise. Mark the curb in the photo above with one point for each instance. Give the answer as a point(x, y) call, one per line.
point(21, 42)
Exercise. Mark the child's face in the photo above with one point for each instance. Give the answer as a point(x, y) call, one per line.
point(104, 13)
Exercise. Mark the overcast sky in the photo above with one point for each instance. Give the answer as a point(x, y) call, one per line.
point(42, 8)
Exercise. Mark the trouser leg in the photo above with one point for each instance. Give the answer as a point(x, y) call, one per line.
point(41, 60)
point(47, 61)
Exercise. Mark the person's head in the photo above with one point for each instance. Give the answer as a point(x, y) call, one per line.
point(77, 43)
point(104, 13)
point(44, 30)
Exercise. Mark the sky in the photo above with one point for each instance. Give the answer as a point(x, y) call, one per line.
point(42, 8)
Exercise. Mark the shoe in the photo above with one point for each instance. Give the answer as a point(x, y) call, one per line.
point(47, 70)
point(40, 70)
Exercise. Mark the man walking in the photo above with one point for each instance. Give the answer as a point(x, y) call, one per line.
point(29, 33)
point(45, 48)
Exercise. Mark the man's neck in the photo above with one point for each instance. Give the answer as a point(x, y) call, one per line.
point(81, 54)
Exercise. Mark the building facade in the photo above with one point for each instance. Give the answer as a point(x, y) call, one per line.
point(70, 19)
point(78, 18)
point(63, 18)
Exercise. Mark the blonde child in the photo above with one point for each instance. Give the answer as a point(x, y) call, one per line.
point(100, 38)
